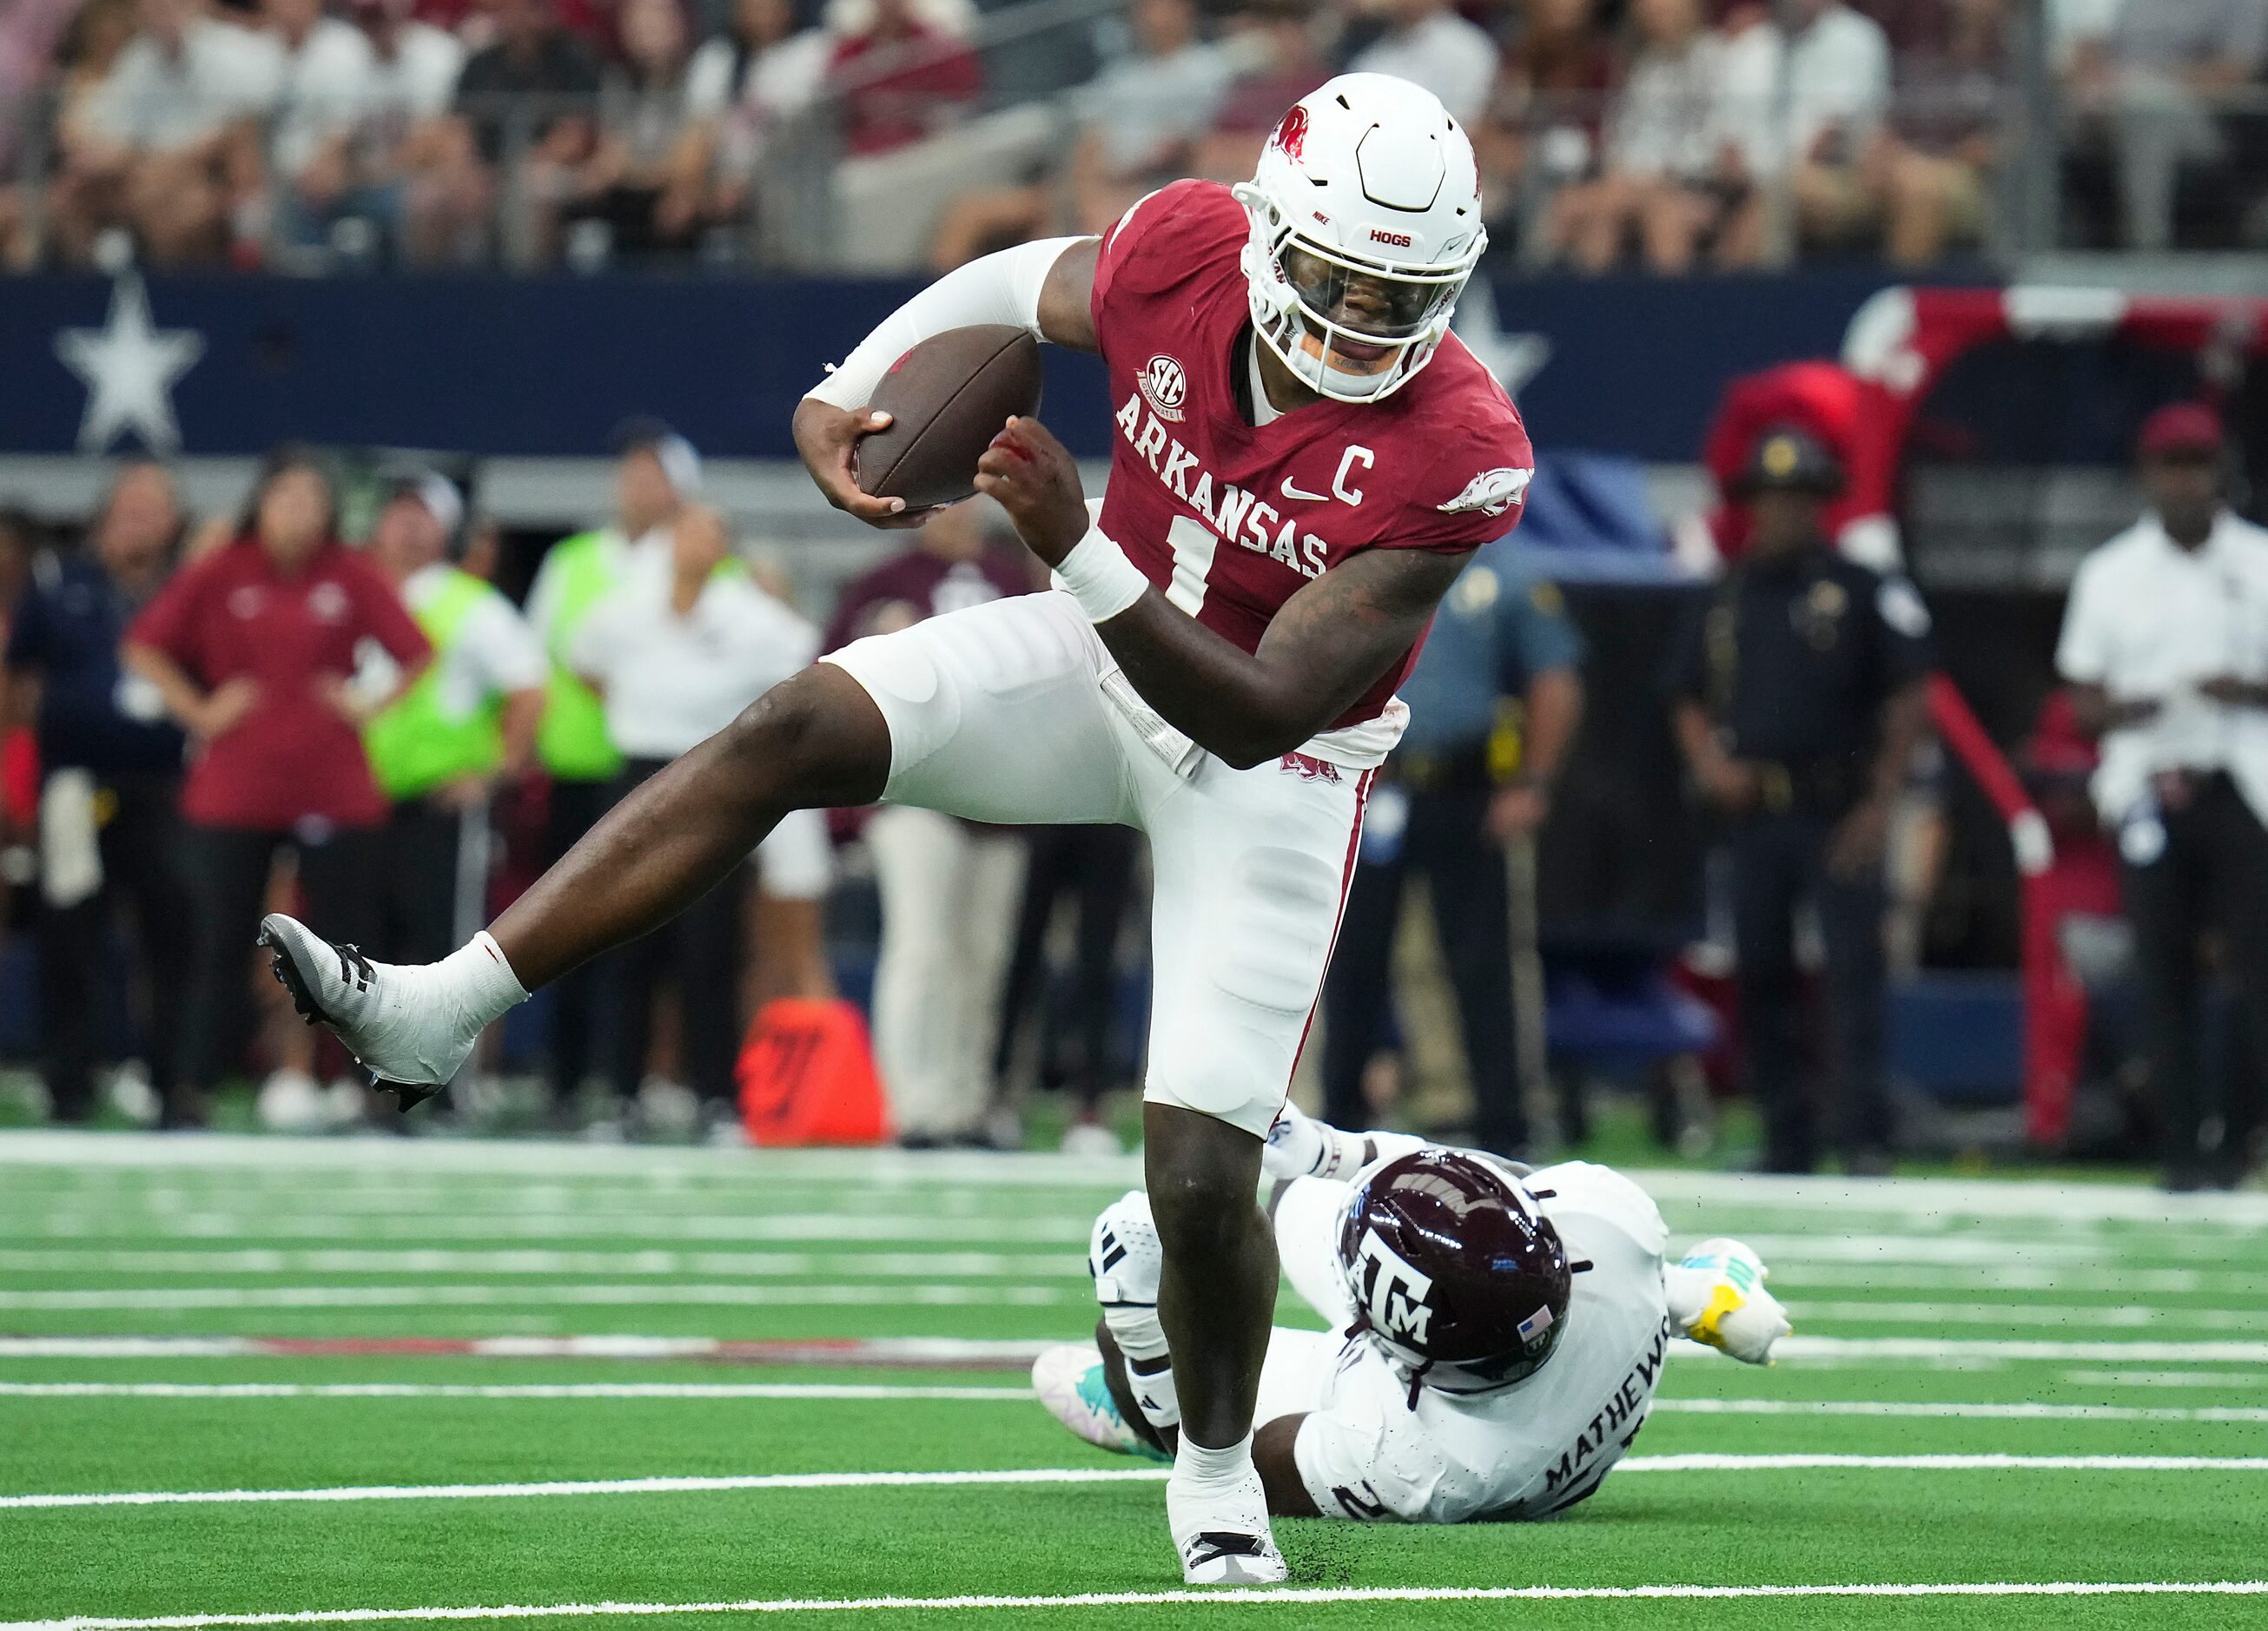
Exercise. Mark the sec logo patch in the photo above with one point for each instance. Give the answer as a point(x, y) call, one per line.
point(1165, 386)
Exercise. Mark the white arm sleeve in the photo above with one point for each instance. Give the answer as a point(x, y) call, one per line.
point(1002, 288)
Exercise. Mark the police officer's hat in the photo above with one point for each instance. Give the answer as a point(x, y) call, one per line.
point(1791, 460)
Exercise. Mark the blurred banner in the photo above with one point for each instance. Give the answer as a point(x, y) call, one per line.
point(546, 366)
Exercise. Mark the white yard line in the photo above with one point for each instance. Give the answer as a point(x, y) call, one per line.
point(594, 1487)
point(823, 1228)
point(532, 1390)
point(1819, 1351)
point(1964, 1350)
point(660, 1293)
point(886, 1392)
point(2096, 1316)
point(1631, 1464)
point(2222, 1381)
point(418, 1261)
point(90, 1152)
point(898, 1352)
point(1288, 1597)
point(1930, 1198)
point(1927, 1410)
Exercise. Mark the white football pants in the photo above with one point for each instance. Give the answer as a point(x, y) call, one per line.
point(1014, 712)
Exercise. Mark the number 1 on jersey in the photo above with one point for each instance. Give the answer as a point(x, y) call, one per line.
point(1193, 545)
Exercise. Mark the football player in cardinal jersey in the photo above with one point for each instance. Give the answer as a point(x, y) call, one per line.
point(1304, 457)
point(1497, 1332)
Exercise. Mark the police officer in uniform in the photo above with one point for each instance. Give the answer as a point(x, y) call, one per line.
point(1798, 703)
point(1493, 702)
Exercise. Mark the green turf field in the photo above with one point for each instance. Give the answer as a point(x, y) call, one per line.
point(1998, 1383)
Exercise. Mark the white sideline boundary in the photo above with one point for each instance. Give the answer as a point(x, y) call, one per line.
point(1705, 1463)
point(1930, 1197)
point(1257, 1597)
point(551, 1390)
point(651, 1293)
point(1921, 1410)
point(1017, 1353)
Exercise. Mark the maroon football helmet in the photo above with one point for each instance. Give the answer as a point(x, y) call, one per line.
point(1454, 1271)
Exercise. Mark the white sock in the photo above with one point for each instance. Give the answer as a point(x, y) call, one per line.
point(1198, 1470)
point(478, 979)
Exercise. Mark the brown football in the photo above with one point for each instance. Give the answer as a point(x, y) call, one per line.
point(948, 399)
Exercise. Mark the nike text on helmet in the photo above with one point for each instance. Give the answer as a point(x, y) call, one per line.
point(1366, 214)
point(1454, 1271)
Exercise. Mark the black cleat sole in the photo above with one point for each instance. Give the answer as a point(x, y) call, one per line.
point(411, 1094)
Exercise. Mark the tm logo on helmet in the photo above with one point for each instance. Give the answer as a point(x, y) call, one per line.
point(1392, 1292)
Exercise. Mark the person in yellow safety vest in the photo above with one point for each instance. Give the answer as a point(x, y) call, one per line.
point(658, 473)
point(466, 724)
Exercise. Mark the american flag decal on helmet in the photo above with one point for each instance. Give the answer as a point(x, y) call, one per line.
point(1533, 1328)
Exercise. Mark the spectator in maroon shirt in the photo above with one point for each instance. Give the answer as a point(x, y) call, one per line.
point(902, 79)
point(254, 648)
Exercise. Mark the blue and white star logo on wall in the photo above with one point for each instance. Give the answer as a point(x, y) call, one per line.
point(129, 368)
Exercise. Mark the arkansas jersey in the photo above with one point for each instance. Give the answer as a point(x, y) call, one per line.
point(1228, 520)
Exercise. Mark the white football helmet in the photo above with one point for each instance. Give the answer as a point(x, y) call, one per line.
point(1365, 218)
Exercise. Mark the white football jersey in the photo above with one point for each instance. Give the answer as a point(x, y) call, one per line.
point(1366, 1451)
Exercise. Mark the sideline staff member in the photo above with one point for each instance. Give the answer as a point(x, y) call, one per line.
point(468, 725)
point(110, 827)
point(1799, 704)
point(659, 472)
point(1449, 800)
point(2166, 641)
point(674, 659)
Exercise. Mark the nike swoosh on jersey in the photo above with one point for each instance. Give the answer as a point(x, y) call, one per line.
point(1291, 491)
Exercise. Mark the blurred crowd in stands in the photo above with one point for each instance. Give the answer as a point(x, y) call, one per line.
point(308, 134)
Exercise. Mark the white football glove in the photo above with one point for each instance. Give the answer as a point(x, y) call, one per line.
point(1718, 1294)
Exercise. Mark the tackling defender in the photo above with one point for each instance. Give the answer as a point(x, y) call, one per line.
point(1497, 1332)
point(1305, 457)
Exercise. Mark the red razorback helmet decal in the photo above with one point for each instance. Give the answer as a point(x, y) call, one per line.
point(1291, 132)
point(1454, 1271)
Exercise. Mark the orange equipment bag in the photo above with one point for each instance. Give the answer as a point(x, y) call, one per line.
point(807, 1077)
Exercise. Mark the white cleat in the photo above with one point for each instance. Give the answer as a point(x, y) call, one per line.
point(1069, 1382)
point(1224, 1541)
point(396, 1019)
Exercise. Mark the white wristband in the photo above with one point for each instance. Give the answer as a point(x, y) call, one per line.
point(1101, 578)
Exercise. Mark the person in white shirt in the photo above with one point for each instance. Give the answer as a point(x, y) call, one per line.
point(168, 143)
point(361, 121)
point(677, 655)
point(748, 83)
point(1495, 1332)
point(1809, 122)
point(2165, 643)
point(323, 82)
point(464, 730)
point(1661, 151)
point(1428, 44)
point(658, 473)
